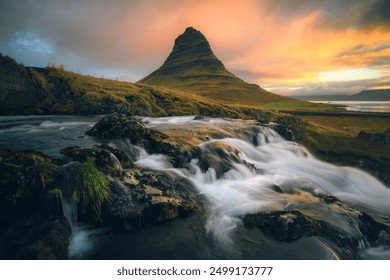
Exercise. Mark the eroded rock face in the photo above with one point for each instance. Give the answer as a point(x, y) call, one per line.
point(149, 197)
point(122, 126)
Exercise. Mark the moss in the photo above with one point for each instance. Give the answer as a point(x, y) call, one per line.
point(92, 188)
point(159, 213)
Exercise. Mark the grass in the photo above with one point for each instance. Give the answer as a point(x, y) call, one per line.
point(299, 105)
point(348, 126)
point(92, 188)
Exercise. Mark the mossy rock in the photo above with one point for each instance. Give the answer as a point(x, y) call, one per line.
point(159, 213)
point(26, 179)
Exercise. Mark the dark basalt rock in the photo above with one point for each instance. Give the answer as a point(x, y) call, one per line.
point(122, 126)
point(289, 128)
point(149, 197)
point(102, 156)
point(31, 222)
point(35, 237)
point(289, 226)
point(25, 181)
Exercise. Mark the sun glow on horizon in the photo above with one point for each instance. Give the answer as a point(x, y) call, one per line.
point(351, 75)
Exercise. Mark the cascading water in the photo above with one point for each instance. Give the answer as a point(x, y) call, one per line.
point(80, 241)
point(239, 168)
point(276, 175)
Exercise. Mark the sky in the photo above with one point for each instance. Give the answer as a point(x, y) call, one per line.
point(290, 47)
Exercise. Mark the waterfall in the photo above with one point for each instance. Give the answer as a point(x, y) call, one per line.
point(273, 174)
point(69, 206)
point(80, 241)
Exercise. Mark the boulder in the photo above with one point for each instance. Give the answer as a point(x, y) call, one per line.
point(123, 126)
point(145, 197)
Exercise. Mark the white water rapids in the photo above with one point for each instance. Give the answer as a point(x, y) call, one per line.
point(301, 177)
point(261, 172)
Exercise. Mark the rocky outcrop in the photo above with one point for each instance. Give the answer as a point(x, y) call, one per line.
point(30, 208)
point(34, 237)
point(123, 126)
point(106, 157)
point(289, 226)
point(149, 197)
point(380, 138)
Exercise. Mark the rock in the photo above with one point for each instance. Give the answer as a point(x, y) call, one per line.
point(381, 138)
point(25, 181)
point(122, 126)
point(289, 226)
point(289, 128)
point(35, 237)
point(198, 117)
point(106, 157)
point(219, 156)
point(149, 197)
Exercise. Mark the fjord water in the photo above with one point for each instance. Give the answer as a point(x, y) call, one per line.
point(265, 161)
point(362, 106)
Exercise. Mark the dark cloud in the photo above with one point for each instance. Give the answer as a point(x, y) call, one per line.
point(365, 49)
point(338, 14)
point(376, 14)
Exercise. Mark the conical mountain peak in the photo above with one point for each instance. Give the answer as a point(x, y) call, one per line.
point(191, 44)
point(192, 66)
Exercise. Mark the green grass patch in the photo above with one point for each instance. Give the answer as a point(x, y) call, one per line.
point(92, 188)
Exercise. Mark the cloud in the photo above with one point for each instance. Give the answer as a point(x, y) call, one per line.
point(365, 49)
point(283, 43)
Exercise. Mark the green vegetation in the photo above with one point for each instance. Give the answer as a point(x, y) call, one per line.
point(298, 105)
point(92, 188)
point(348, 126)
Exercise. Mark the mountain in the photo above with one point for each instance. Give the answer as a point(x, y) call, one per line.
point(193, 67)
point(53, 90)
point(373, 95)
point(365, 95)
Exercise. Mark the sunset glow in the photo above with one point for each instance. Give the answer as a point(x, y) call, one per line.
point(289, 46)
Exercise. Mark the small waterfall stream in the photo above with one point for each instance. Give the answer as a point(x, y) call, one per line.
point(80, 241)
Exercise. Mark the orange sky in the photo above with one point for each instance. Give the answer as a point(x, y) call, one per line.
point(286, 46)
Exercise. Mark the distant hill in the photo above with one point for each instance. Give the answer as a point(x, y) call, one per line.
point(365, 95)
point(53, 90)
point(193, 67)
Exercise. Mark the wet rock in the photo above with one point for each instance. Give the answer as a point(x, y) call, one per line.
point(35, 237)
point(369, 227)
point(106, 157)
point(122, 126)
point(289, 128)
point(26, 179)
point(198, 117)
point(289, 226)
point(219, 156)
point(149, 197)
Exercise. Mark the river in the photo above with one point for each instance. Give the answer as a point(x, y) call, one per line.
point(248, 187)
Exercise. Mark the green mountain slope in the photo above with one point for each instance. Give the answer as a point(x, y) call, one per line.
point(51, 90)
point(193, 67)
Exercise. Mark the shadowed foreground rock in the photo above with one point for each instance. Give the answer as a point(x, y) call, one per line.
point(31, 221)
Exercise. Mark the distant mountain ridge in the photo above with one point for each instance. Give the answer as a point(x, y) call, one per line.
point(192, 66)
point(365, 95)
